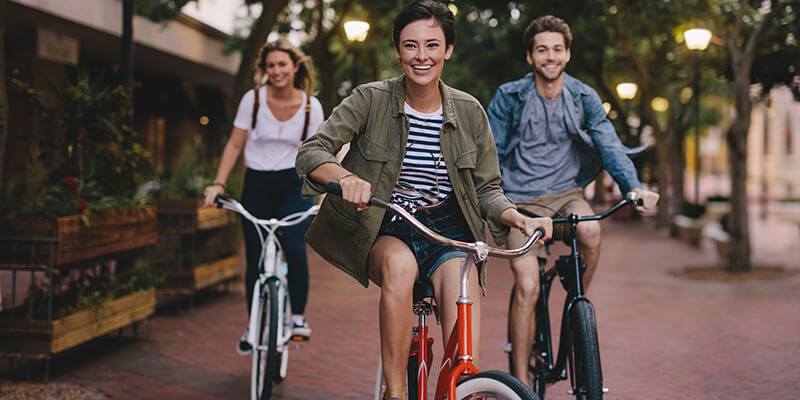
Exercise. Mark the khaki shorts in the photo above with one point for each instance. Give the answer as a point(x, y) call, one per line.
point(566, 203)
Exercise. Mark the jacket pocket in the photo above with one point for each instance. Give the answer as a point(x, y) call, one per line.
point(371, 150)
point(467, 159)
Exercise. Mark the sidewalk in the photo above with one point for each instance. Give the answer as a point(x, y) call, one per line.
point(661, 336)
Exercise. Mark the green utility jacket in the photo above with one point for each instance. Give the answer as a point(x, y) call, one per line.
point(373, 120)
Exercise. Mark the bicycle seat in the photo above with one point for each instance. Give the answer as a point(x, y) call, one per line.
point(422, 290)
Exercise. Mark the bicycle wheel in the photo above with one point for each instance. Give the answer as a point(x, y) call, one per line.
point(491, 385)
point(265, 354)
point(588, 377)
point(283, 355)
point(411, 377)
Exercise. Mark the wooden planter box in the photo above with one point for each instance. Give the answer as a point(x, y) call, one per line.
point(106, 233)
point(687, 229)
point(67, 332)
point(179, 216)
point(186, 280)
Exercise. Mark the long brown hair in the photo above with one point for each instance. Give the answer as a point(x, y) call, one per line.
point(303, 78)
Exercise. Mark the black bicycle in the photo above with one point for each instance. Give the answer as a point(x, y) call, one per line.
point(578, 350)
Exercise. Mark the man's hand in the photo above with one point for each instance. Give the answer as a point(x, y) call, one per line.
point(649, 199)
point(512, 218)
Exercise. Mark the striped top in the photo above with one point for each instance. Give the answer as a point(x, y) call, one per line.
point(423, 178)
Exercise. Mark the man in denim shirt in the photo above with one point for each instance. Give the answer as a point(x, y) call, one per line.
point(553, 138)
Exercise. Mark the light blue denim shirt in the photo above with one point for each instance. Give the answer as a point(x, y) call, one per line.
point(586, 123)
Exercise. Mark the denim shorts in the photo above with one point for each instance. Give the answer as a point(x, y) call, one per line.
point(445, 219)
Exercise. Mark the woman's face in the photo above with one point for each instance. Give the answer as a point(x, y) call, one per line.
point(422, 52)
point(280, 69)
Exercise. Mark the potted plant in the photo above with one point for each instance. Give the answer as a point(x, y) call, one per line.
point(195, 242)
point(81, 182)
point(688, 225)
point(86, 303)
point(716, 206)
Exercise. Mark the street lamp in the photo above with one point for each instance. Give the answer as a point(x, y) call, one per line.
point(697, 40)
point(356, 31)
point(627, 90)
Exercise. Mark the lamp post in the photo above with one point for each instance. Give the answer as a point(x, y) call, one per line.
point(627, 91)
point(697, 40)
point(355, 31)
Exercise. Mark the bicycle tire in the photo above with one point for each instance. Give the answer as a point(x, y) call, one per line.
point(490, 385)
point(411, 377)
point(265, 354)
point(588, 376)
point(283, 355)
point(536, 376)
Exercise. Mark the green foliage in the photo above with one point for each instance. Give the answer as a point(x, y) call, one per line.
point(87, 140)
point(718, 197)
point(692, 210)
point(188, 179)
point(88, 288)
point(725, 222)
point(160, 10)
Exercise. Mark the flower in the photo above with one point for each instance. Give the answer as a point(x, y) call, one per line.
point(81, 206)
point(70, 183)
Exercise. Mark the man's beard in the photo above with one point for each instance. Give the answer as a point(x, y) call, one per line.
point(540, 73)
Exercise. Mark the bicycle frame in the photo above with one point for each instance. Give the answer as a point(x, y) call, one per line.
point(458, 353)
point(269, 259)
point(570, 270)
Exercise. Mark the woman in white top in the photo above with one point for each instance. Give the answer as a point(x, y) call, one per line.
point(271, 127)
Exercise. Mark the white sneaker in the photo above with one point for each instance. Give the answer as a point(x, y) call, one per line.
point(243, 348)
point(300, 329)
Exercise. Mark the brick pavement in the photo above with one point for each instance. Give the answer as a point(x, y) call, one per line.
point(661, 336)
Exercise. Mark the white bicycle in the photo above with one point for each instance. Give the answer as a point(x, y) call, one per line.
point(270, 325)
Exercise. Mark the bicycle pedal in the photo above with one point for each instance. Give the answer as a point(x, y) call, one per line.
point(299, 338)
point(605, 390)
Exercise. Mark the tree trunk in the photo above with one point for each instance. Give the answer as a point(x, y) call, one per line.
point(3, 98)
point(662, 173)
point(677, 165)
point(244, 76)
point(739, 249)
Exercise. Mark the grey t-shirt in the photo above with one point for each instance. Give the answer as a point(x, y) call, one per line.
point(546, 160)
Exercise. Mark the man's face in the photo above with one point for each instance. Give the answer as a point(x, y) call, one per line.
point(549, 55)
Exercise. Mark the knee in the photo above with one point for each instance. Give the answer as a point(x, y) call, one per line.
point(589, 235)
point(397, 275)
point(526, 285)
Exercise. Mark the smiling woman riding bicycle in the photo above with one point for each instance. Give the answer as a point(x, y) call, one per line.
point(428, 147)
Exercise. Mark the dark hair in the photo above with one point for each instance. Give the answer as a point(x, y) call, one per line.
point(548, 23)
point(425, 9)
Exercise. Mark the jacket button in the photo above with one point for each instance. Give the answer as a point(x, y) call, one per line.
point(577, 110)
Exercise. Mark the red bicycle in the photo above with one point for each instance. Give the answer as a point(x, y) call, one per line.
point(458, 376)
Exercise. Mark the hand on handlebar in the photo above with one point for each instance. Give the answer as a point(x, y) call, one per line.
point(646, 200)
point(211, 193)
point(528, 225)
point(355, 191)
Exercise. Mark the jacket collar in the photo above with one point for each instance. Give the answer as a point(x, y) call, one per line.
point(448, 103)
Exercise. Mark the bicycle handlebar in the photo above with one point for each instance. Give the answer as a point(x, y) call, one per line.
point(631, 199)
point(480, 249)
point(223, 201)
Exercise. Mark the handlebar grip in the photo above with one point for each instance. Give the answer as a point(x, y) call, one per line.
point(334, 188)
point(220, 198)
point(540, 230)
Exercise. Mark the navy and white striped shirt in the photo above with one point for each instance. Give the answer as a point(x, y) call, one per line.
point(423, 164)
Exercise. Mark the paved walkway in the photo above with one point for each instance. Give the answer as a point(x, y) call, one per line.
point(661, 336)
